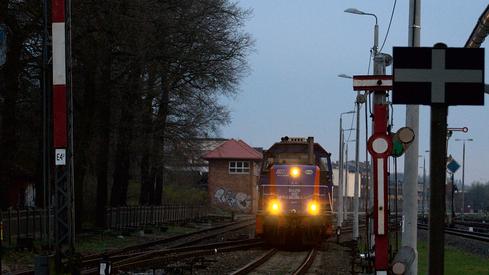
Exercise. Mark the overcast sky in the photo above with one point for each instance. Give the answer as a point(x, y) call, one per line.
point(301, 46)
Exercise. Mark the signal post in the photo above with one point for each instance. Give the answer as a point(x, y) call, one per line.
point(380, 147)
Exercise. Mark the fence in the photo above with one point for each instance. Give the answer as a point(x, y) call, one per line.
point(136, 216)
point(22, 225)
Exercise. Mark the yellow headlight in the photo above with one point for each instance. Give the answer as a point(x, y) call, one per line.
point(313, 208)
point(295, 172)
point(274, 207)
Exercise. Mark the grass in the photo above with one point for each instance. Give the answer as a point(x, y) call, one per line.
point(456, 261)
point(97, 243)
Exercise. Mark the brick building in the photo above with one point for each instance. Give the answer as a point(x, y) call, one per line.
point(234, 170)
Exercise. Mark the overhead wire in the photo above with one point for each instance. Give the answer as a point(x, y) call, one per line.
point(389, 27)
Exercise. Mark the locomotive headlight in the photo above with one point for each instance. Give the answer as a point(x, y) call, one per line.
point(313, 208)
point(295, 172)
point(275, 207)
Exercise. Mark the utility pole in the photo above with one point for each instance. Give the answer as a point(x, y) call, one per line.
point(379, 148)
point(410, 184)
point(340, 171)
point(463, 173)
point(356, 189)
point(463, 182)
point(346, 182)
point(424, 187)
point(340, 177)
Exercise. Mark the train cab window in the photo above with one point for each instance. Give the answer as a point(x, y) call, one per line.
point(239, 167)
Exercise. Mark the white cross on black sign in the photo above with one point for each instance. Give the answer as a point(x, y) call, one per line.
point(426, 76)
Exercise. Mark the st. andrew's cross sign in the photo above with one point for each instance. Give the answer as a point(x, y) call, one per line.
point(438, 77)
point(450, 76)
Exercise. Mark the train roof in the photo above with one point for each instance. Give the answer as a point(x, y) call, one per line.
point(297, 147)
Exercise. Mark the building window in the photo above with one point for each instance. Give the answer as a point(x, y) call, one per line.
point(239, 167)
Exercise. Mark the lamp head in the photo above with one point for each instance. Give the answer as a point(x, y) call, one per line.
point(345, 76)
point(354, 11)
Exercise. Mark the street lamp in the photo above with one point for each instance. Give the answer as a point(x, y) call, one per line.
point(376, 27)
point(345, 76)
point(340, 171)
point(463, 172)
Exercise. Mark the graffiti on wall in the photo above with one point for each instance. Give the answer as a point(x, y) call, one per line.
point(236, 200)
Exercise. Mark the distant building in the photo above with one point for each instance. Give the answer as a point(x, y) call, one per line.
point(234, 170)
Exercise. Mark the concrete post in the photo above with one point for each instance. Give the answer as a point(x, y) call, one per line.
point(410, 192)
point(356, 189)
point(340, 178)
point(346, 182)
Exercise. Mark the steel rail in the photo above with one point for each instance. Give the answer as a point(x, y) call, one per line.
point(468, 235)
point(167, 251)
point(118, 254)
point(163, 260)
point(219, 231)
point(473, 224)
point(159, 242)
point(306, 264)
point(255, 263)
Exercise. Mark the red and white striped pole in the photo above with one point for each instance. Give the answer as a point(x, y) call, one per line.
point(62, 130)
point(60, 138)
point(380, 147)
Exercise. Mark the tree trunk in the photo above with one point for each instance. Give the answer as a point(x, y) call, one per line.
point(121, 174)
point(159, 161)
point(103, 150)
point(9, 91)
point(84, 133)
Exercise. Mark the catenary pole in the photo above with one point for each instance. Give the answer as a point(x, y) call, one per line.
point(410, 196)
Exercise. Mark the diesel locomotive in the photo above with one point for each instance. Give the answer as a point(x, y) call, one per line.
point(295, 193)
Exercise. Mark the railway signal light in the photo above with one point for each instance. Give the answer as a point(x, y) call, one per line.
point(401, 141)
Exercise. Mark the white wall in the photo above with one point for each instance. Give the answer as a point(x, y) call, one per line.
point(351, 182)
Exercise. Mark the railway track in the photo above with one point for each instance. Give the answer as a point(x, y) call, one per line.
point(279, 256)
point(140, 250)
point(160, 258)
point(461, 233)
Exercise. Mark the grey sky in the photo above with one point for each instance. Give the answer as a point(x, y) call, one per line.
point(301, 47)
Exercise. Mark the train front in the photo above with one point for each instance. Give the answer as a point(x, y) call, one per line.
point(294, 206)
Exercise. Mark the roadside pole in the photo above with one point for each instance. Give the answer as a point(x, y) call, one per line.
point(346, 202)
point(438, 154)
point(340, 178)
point(410, 182)
point(356, 188)
point(1, 245)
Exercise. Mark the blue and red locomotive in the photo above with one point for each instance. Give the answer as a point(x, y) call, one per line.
point(295, 193)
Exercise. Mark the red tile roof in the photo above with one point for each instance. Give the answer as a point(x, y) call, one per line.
point(233, 149)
